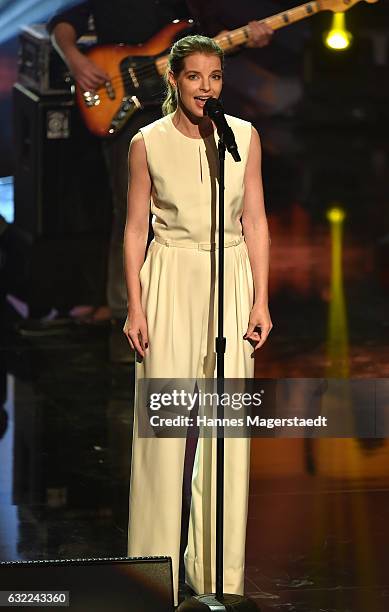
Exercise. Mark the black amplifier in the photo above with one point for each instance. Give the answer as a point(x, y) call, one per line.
point(61, 185)
point(41, 69)
point(118, 584)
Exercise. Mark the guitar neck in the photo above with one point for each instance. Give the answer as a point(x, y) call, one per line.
point(241, 36)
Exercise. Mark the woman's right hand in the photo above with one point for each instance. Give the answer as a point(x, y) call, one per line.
point(135, 329)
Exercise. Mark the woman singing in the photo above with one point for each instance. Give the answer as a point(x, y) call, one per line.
point(172, 307)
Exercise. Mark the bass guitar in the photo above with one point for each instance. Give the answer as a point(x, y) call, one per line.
point(135, 71)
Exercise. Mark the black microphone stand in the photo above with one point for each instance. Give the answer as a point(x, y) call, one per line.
point(220, 601)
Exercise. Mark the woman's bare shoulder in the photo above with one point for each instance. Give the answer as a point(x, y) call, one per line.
point(137, 147)
point(137, 140)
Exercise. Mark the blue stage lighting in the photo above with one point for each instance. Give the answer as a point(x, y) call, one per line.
point(16, 14)
point(5, 3)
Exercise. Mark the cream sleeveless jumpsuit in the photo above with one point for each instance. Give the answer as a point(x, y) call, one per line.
point(179, 298)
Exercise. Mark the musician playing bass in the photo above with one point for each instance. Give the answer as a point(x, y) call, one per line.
point(130, 22)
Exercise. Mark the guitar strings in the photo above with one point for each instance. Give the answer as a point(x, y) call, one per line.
point(102, 90)
point(142, 73)
point(150, 68)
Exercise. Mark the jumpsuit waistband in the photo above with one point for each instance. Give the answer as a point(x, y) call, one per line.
point(201, 246)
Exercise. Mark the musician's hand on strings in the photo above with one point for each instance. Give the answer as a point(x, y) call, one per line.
point(87, 74)
point(260, 34)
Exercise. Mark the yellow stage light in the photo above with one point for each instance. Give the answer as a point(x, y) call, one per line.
point(338, 37)
point(335, 214)
point(337, 336)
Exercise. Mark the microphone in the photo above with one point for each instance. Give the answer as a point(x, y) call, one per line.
point(214, 109)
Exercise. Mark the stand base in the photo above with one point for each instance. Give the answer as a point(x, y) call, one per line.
point(228, 602)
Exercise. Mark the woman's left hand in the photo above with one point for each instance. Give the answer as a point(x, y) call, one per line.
point(259, 318)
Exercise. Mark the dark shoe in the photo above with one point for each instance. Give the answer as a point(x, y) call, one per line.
point(99, 316)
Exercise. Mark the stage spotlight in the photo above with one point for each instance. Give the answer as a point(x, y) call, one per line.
point(338, 37)
point(335, 214)
point(337, 331)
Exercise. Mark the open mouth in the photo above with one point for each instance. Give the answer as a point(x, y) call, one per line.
point(201, 100)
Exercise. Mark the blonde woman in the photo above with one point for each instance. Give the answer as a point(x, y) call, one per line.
point(172, 307)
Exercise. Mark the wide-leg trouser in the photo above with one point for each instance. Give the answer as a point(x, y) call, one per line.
point(179, 296)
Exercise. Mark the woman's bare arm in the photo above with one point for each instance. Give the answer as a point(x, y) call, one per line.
point(135, 241)
point(256, 233)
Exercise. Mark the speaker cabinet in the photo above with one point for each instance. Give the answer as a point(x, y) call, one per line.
point(62, 204)
point(61, 182)
point(92, 585)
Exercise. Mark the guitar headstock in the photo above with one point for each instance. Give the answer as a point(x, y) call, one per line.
point(339, 6)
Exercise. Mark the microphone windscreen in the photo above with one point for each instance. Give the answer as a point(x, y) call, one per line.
point(213, 107)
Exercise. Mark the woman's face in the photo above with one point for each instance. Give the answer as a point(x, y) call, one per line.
point(201, 78)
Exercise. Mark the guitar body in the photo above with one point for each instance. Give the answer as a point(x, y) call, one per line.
point(135, 81)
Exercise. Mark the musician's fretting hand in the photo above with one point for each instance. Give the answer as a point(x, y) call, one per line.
point(87, 74)
point(260, 34)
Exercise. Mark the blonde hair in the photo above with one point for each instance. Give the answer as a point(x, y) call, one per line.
point(180, 50)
